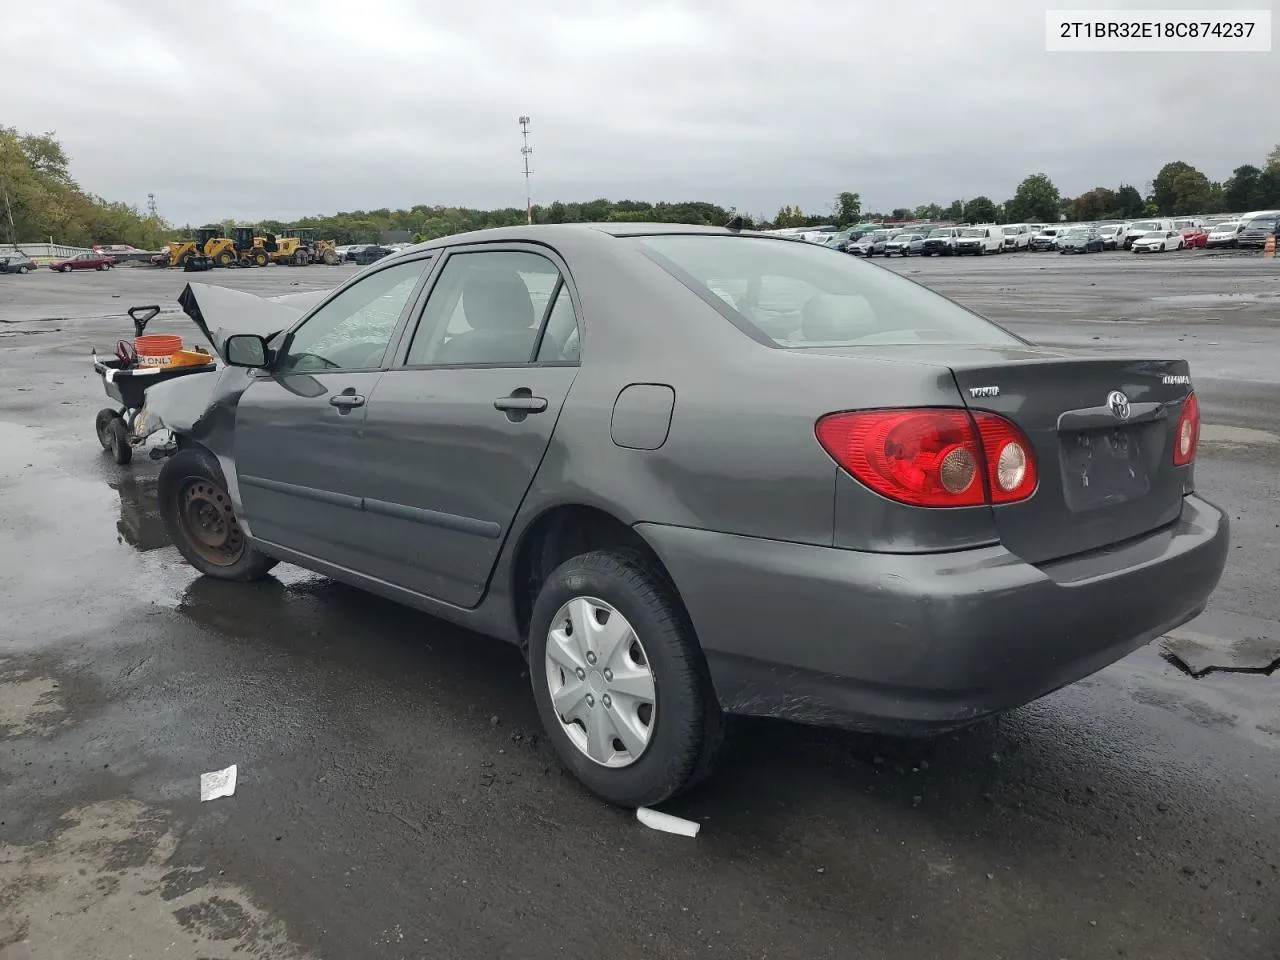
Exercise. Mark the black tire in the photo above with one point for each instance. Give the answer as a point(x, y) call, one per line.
point(102, 423)
point(689, 728)
point(118, 441)
point(300, 258)
point(225, 259)
point(22, 269)
point(197, 468)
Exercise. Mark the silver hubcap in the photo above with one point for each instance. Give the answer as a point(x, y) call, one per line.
point(601, 686)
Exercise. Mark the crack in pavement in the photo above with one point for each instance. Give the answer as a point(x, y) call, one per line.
point(1266, 670)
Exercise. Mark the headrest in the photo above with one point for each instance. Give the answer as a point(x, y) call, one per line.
point(830, 316)
point(497, 301)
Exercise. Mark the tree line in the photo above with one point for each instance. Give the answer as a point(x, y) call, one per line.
point(40, 199)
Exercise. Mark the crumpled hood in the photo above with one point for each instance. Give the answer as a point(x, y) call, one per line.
point(220, 312)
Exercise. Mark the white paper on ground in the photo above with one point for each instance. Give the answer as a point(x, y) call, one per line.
point(219, 783)
point(667, 823)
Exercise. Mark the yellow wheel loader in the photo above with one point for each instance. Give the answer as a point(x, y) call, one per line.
point(191, 254)
point(242, 248)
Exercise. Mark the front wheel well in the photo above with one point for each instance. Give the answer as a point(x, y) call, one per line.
point(559, 535)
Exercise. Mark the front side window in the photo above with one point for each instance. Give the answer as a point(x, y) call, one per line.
point(486, 308)
point(799, 297)
point(351, 331)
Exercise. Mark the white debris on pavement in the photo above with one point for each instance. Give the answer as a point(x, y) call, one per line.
point(667, 823)
point(219, 783)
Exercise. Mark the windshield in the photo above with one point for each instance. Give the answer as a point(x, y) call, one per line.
point(797, 297)
point(1146, 225)
point(1048, 233)
point(940, 233)
point(1226, 227)
point(1011, 231)
point(1077, 231)
point(1262, 223)
point(973, 232)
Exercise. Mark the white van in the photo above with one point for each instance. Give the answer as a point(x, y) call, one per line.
point(979, 240)
point(1140, 228)
point(1017, 236)
point(1112, 235)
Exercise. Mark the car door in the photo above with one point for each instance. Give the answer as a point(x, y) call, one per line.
point(457, 429)
point(298, 424)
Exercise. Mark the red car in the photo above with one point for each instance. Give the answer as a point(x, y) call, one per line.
point(84, 261)
point(1194, 237)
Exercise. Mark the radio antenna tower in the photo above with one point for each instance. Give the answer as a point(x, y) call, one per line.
point(152, 211)
point(526, 150)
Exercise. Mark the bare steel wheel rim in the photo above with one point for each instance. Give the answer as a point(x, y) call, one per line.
point(209, 522)
point(601, 685)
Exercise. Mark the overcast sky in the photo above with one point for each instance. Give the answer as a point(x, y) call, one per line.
point(254, 110)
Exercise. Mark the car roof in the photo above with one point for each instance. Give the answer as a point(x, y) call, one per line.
point(548, 232)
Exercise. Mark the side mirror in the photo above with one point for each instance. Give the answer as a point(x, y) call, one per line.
point(247, 350)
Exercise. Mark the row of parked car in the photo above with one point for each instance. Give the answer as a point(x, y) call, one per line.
point(21, 263)
point(1139, 236)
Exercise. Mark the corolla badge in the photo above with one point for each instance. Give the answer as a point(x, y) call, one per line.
point(1119, 404)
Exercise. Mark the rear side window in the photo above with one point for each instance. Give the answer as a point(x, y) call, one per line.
point(802, 295)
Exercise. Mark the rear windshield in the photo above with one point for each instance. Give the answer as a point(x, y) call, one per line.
point(797, 295)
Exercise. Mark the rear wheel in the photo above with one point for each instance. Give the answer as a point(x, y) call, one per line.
point(225, 259)
point(619, 679)
point(330, 256)
point(198, 515)
point(259, 258)
point(102, 423)
point(300, 257)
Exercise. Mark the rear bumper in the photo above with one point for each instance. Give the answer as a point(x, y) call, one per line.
point(919, 643)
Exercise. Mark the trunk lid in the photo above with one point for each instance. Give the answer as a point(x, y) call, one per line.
point(1104, 477)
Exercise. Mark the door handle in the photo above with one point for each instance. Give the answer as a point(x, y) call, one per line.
point(523, 404)
point(346, 401)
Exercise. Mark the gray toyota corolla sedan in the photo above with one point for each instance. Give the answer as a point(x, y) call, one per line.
point(697, 472)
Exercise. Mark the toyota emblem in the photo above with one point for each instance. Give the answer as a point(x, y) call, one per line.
point(1119, 404)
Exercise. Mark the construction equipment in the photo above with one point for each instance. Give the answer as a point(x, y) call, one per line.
point(242, 248)
point(191, 254)
point(299, 247)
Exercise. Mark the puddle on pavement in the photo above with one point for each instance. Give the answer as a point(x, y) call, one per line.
point(105, 875)
point(139, 525)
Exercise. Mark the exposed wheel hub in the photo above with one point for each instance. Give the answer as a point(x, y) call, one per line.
point(209, 522)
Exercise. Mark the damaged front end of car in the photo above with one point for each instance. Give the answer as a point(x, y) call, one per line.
point(201, 408)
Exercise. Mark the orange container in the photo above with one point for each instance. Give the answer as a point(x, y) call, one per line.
point(157, 349)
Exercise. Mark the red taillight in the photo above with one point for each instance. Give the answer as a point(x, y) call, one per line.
point(1011, 466)
point(1188, 435)
point(932, 457)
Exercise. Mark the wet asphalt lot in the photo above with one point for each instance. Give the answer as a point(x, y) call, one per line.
point(396, 799)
